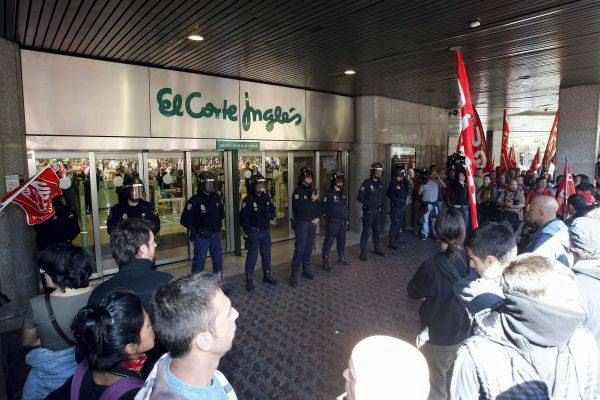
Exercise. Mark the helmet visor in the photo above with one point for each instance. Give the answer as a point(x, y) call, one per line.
point(209, 185)
point(135, 191)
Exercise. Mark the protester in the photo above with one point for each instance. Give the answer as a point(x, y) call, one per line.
point(552, 237)
point(444, 319)
point(195, 322)
point(486, 201)
point(587, 190)
point(461, 196)
point(112, 339)
point(512, 202)
point(429, 192)
point(383, 367)
point(490, 249)
point(66, 270)
point(132, 244)
point(539, 190)
point(532, 347)
point(577, 207)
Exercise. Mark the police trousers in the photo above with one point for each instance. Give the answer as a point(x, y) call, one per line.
point(371, 224)
point(203, 243)
point(396, 222)
point(305, 241)
point(334, 231)
point(260, 240)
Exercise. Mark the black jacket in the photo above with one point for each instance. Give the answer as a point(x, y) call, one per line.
point(334, 206)
point(303, 207)
point(257, 212)
point(90, 390)
point(447, 319)
point(203, 212)
point(123, 210)
point(371, 194)
point(139, 276)
point(398, 192)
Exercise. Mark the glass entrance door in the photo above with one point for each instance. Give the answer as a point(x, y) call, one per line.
point(167, 192)
point(276, 167)
point(328, 161)
point(248, 165)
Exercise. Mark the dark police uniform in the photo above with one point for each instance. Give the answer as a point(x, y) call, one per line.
point(370, 195)
point(122, 211)
point(203, 216)
point(255, 216)
point(334, 207)
point(398, 192)
point(305, 210)
point(62, 227)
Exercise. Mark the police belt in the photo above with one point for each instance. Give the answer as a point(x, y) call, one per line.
point(336, 220)
point(394, 205)
point(372, 209)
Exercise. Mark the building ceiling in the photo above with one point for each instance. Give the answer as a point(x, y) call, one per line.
point(517, 59)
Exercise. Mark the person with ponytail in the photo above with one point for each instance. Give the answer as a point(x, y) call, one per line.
point(445, 322)
point(112, 339)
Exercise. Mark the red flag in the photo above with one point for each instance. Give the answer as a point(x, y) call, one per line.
point(566, 189)
point(535, 163)
point(550, 152)
point(504, 156)
point(480, 147)
point(468, 133)
point(62, 171)
point(35, 196)
point(512, 157)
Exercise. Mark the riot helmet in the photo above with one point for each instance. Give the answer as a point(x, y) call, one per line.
point(398, 172)
point(337, 179)
point(305, 172)
point(258, 183)
point(376, 170)
point(134, 188)
point(207, 182)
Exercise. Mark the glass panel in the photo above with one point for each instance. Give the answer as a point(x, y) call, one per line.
point(276, 165)
point(78, 198)
point(108, 195)
point(302, 161)
point(248, 165)
point(213, 163)
point(329, 162)
point(166, 182)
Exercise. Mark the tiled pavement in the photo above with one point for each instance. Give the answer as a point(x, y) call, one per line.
point(294, 343)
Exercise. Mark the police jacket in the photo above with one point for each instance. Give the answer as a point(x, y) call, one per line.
point(398, 192)
point(303, 207)
point(62, 227)
point(257, 212)
point(370, 194)
point(203, 213)
point(123, 211)
point(334, 206)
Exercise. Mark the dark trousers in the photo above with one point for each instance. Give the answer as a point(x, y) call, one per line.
point(305, 241)
point(258, 240)
point(202, 245)
point(371, 224)
point(334, 231)
point(396, 222)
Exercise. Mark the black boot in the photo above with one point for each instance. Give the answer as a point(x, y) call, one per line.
point(326, 265)
point(294, 277)
point(306, 272)
point(378, 251)
point(267, 278)
point(393, 244)
point(249, 282)
point(363, 254)
point(344, 261)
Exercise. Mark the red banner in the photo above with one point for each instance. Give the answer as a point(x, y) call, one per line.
point(535, 163)
point(504, 156)
point(566, 189)
point(550, 152)
point(468, 133)
point(512, 157)
point(480, 148)
point(35, 196)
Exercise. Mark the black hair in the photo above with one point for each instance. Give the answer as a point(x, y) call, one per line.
point(102, 331)
point(493, 239)
point(578, 201)
point(69, 266)
point(586, 187)
point(182, 309)
point(584, 178)
point(541, 178)
point(127, 238)
point(450, 229)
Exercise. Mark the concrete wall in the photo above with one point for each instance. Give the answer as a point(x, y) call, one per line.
point(381, 121)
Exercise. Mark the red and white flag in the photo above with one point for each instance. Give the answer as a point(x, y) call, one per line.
point(513, 157)
point(504, 155)
point(62, 171)
point(467, 133)
point(535, 163)
point(480, 148)
point(35, 196)
point(550, 152)
point(566, 189)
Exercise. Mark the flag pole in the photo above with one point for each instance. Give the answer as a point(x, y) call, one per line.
point(18, 191)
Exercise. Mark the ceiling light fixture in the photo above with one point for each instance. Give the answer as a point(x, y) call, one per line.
point(350, 72)
point(525, 77)
point(455, 48)
point(474, 24)
point(195, 35)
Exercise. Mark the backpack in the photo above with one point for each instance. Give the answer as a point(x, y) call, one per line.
point(114, 391)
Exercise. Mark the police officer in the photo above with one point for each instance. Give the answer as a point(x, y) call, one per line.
point(255, 216)
point(133, 206)
point(306, 210)
point(62, 227)
point(334, 207)
point(398, 192)
point(370, 195)
point(203, 216)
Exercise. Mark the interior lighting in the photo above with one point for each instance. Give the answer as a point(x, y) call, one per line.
point(350, 72)
point(195, 35)
point(474, 24)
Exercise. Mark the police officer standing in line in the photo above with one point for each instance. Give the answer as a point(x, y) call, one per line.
point(306, 209)
point(335, 210)
point(62, 227)
point(398, 192)
point(203, 216)
point(133, 206)
point(255, 216)
point(371, 195)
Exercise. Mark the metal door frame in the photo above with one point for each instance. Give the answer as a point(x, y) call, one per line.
point(283, 153)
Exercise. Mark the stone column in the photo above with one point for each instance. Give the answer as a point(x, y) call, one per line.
point(18, 279)
point(578, 124)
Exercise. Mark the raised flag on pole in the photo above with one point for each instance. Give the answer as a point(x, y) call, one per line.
point(535, 163)
point(550, 152)
point(512, 157)
point(35, 196)
point(480, 148)
point(566, 189)
point(504, 155)
point(467, 133)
